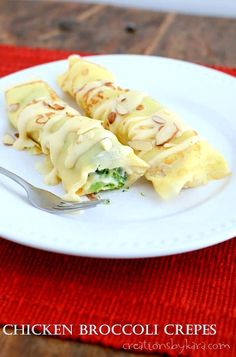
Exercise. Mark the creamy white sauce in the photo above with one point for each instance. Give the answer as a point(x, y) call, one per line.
point(73, 145)
point(174, 150)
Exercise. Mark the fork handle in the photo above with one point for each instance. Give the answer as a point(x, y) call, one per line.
point(16, 178)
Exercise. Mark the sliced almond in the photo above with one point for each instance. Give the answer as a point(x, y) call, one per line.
point(13, 107)
point(111, 117)
point(41, 119)
point(121, 98)
point(109, 84)
point(141, 145)
point(106, 144)
point(56, 106)
point(121, 110)
point(140, 107)
point(166, 133)
point(159, 120)
point(8, 140)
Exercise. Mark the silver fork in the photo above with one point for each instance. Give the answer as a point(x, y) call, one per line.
point(47, 201)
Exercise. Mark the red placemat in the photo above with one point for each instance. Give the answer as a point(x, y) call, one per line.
point(39, 287)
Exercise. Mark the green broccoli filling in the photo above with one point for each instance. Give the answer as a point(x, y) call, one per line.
point(107, 179)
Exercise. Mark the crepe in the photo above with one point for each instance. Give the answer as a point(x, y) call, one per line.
point(80, 153)
point(178, 156)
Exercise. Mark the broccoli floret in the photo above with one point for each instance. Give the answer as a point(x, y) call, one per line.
point(107, 179)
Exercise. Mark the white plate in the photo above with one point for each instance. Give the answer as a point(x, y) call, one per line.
point(134, 225)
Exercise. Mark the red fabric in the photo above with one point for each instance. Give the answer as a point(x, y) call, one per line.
point(13, 58)
point(39, 287)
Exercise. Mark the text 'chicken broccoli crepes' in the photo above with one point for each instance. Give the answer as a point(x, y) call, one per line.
point(79, 151)
point(178, 157)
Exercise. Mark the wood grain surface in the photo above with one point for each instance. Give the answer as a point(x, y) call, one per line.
point(107, 29)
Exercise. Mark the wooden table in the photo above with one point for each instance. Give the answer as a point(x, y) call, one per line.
point(106, 29)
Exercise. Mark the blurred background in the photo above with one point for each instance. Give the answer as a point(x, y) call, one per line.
point(225, 8)
point(202, 31)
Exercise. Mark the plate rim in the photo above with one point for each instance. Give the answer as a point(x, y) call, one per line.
point(94, 56)
point(230, 232)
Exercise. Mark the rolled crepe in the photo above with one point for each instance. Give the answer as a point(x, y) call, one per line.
point(79, 151)
point(178, 156)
